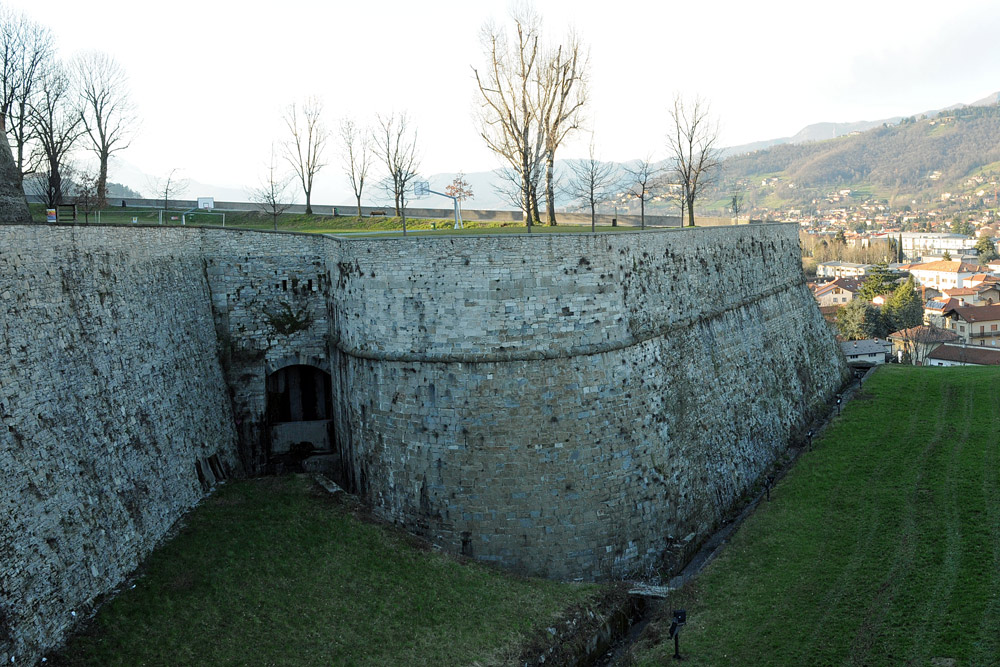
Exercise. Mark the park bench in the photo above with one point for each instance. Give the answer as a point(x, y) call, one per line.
point(374, 213)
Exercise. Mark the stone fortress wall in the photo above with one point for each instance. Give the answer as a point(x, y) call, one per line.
point(564, 405)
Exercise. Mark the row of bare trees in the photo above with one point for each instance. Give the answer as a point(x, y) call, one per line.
point(390, 143)
point(532, 96)
point(47, 106)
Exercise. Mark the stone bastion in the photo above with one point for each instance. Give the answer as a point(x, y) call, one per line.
point(571, 406)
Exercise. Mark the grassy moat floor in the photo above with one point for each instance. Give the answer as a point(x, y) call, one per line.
point(881, 546)
point(275, 571)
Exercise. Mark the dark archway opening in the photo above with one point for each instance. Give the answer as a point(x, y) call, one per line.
point(300, 420)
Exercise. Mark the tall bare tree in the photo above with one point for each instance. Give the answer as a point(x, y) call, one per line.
point(397, 148)
point(564, 94)
point(108, 114)
point(25, 50)
point(357, 150)
point(509, 114)
point(272, 196)
point(56, 125)
point(641, 179)
point(693, 148)
point(304, 149)
point(170, 186)
point(592, 183)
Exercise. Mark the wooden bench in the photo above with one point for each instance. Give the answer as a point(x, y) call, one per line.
point(374, 213)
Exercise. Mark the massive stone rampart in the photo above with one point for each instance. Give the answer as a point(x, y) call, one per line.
point(564, 405)
point(111, 397)
point(573, 406)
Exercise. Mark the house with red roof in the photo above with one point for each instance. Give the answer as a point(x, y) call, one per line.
point(975, 325)
point(837, 292)
point(963, 355)
point(942, 274)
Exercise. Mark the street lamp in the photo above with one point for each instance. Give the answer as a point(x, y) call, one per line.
point(838, 404)
point(680, 618)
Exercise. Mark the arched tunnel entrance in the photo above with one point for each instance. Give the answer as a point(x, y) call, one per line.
point(300, 420)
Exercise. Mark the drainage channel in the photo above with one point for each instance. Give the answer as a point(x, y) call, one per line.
point(653, 597)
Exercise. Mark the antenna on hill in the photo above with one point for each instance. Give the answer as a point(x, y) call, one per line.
point(422, 189)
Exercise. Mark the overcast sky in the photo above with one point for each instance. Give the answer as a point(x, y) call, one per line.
point(210, 79)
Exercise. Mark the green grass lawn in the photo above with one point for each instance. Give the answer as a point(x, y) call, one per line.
point(274, 571)
point(325, 224)
point(881, 547)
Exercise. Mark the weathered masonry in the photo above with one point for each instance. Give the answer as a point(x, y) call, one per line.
point(562, 405)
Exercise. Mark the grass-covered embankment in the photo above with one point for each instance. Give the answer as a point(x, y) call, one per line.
point(274, 571)
point(881, 547)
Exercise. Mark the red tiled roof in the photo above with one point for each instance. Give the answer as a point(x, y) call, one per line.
point(924, 334)
point(978, 313)
point(946, 267)
point(968, 354)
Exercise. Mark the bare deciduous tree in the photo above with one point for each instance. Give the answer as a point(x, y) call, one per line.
point(85, 192)
point(693, 148)
point(508, 117)
point(593, 182)
point(641, 179)
point(169, 186)
point(357, 148)
point(271, 196)
point(564, 95)
point(304, 150)
point(25, 50)
point(397, 148)
point(736, 205)
point(56, 125)
point(108, 115)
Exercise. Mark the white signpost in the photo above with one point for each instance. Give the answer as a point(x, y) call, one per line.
point(422, 189)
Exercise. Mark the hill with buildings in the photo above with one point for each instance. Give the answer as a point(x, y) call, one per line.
point(930, 162)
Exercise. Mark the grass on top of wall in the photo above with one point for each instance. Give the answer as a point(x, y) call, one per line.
point(881, 546)
point(274, 571)
point(326, 224)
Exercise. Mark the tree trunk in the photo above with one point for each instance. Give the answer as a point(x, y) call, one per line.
point(642, 212)
point(550, 196)
point(593, 216)
point(359, 206)
point(309, 208)
point(526, 198)
point(535, 215)
point(102, 181)
point(690, 207)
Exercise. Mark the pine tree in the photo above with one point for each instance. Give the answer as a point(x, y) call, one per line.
point(877, 281)
point(904, 309)
point(859, 320)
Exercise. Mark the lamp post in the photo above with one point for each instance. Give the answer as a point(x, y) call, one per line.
point(680, 618)
point(839, 399)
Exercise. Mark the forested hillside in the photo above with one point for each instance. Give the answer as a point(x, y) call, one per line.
point(956, 152)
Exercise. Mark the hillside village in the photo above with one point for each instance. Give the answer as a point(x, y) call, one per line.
point(937, 305)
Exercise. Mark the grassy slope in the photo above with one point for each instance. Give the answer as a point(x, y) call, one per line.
point(274, 571)
point(881, 547)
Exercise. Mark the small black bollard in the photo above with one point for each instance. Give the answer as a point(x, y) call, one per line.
point(768, 483)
